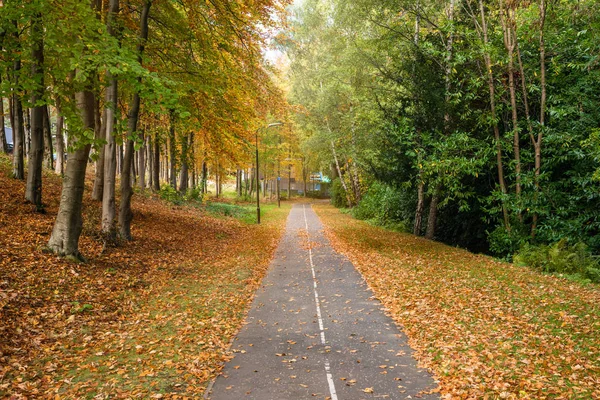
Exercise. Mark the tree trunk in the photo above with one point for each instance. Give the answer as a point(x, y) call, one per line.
point(497, 139)
point(134, 164)
point(33, 192)
point(97, 191)
point(110, 163)
point(433, 213)
point(60, 142)
point(125, 214)
point(537, 145)
point(204, 177)
point(420, 208)
point(48, 138)
point(507, 19)
point(172, 144)
point(142, 164)
point(3, 142)
point(150, 158)
point(67, 227)
point(339, 171)
point(27, 131)
point(110, 155)
point(156, 171)
point(120, 157)
point(184, 175)
point(18, 129)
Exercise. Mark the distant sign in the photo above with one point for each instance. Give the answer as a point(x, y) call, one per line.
point(316, 177)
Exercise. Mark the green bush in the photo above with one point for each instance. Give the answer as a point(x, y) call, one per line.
point(386, 206)
point(505, 243)
point(168, 193)
point(560, 258)
point(338, 194)
point(193, 195)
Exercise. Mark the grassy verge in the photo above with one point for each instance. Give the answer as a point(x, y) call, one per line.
point(487, 329)
point(150, 319)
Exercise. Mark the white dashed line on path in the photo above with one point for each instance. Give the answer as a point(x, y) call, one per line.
point(318, 304)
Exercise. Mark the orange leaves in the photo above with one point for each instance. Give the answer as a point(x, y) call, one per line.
point(153, 317)
point(486, 329)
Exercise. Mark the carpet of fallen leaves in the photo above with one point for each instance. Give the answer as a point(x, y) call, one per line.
point(485, 328)
point(152, 318)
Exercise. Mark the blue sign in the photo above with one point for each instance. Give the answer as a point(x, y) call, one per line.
point(278, 178)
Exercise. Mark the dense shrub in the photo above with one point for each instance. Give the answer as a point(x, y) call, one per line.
point(338, 194)
point(561, 258)
point(505, 243)
point(386, 206)
point(193, 194)
point(168, 193)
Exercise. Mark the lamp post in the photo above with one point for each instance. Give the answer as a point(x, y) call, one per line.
point(258, 171)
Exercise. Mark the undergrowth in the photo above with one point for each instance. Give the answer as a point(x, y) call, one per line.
point(575, 261)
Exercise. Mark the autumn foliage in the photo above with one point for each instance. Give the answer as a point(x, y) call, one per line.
point(150, 319)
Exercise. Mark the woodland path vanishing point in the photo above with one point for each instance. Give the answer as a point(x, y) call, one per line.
point(315, 331)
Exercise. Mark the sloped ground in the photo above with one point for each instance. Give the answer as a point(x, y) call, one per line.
point(487, 329)
point(149, 319)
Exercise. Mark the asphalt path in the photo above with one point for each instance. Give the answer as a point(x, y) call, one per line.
point(315, 331)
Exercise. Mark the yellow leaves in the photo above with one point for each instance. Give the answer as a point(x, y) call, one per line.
point(368, 390)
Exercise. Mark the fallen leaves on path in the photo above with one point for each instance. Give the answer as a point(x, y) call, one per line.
point(487, 329)
point(150, 319)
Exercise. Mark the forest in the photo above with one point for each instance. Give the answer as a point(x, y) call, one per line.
point(474, 123)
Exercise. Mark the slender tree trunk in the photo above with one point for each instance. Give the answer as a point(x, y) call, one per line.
point(126, 215)
point(33, 192)
point(110, 165)
point(433, 211)
point(48, 138)
point(67, 227)
point(98, 190)
point(420, 208)
point(18, 129)
point(150, 157)
point(507, 19)
point(204, 177)
point(184, 175)
point(3, 142)
point(497, 139)
point(339, 171)
point(172, 144)
point(120, 158)
point(156, 160)
point(60, 141)
point(110, 155)
point(252, 177)
point(27, 131)
point(191, 160)
point(142, 164)
point(538, 142)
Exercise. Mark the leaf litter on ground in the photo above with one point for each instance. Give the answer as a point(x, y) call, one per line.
point(152, 318)
point(486, 329)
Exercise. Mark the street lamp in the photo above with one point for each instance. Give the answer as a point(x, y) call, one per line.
point(258, 171)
